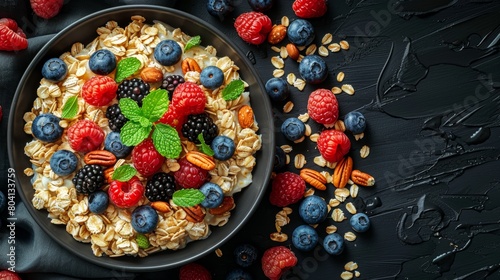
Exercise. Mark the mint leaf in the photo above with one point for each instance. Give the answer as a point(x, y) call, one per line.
point(206, 149)
point(187, 197)
point(166, 141)
point(132, 133)
point(155, 104)
point(70, 108)
point(130, 109)
point(233, 90)
point(194, 41)
point(126, 68)
point(124, 173)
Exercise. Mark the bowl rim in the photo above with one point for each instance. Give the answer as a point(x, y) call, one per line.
point(141, 8)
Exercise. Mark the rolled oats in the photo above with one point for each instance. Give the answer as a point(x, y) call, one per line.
point(327, 39)
point(349, 236)
point(365, 151)
point(334, 47)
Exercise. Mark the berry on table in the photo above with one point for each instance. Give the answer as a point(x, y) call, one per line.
point(304, 238)
point(276, 260)
point(89, 179)
point(279, 159)
point(116, 120)
point(293, 129)
point(102, 62)
point(170, 83)
point(220, 8)
point(144, 219)
point(85, 136)
point(46, 128)
point(146, 159)
point(9, 275)
point(168, 52)
point(333, 145)
point(261, 5)
point(277, 89)
point(253, 27)
point(245, 254)
point(63, 162)
point(192, 271)
point(313, 209)
point(190, 176)
point(99, 90)
point(12, 37)
point(126, 194)
point(98, 202)
point(135, 88)
point(114, 144)
point(322, 107)
point(160, 187)
point(301, 32)
point(360, 222)
point(313, 69)
point(355, 122)
point(189, 98)
point(223, 147)
point(238, 274)
point(46, 8)
point(333, 244)
point(287, 188)
point(54, 70)
point(201, 123)
point(309, 8)
point(213, 195)
point(211, 77)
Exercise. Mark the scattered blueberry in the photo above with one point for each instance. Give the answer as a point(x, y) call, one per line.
point(54, 70)
point(46, 128)
point(211, 77)
point(220, 8)
point(293, 129)
point(300, 32)
point(3, 202)
point(144, 219)
point(63, 162)
point(261, 5)
point(279, 159)
point(313, 209)
point(277, 89)
point(304, 238)
point(213, 195)
point(333, 244)
point(360, 222)
point(355, 122)
point(313, 69)
point(238, 274)
point(245, 255)
point(98, 202)
point(114, 144)
point(168, 52)
point(223, 147)
point(102, 62)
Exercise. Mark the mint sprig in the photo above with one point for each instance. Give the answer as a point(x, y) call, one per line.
point(187, 197)
point(126, 68)
point(70, 108)
point(194, 41)
point(163, 138)
point(233, 90)
point(204, 147)
point(124, 173)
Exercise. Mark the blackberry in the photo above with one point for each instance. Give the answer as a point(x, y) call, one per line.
point(160, 187)
point(116, 120)
point(136, 89)
point(170, 83)
point(197, 124)
point(89, 179)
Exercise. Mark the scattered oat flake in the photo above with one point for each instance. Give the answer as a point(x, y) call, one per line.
point(277, 73)
point(336, 90)
point(290, 78)
point(285, 21)
point(303, 117)
point(276, 49)
point(340, 76)
point(334, 47)
point(359, 136)
point(277, 62)
point(364, 152)
point(299, 84)
point(347, 88)
point(344, 45)
point(287, 108)
point(323, 51)
point(218, 252)
point(327, 39)
point(350, 266)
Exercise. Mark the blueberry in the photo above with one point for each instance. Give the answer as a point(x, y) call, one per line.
point(168, 52)
point(277, 89)
point(333, 244)
point(114, 144)
point(279, 159)
point(293, 128)
point(63, 162)
point(3, 202)
point(211, 77)
point(46, 128)
point(98, 202)
point(313, 69)
point(102, 62)
point(245, 255)
point(300, 32)
point(144, 219)
point(360, 222)
point(304, 238)
point(261, 5)
point(313, 209)
point(238, 274)
point(54, 70)
point(213, 195)
point(220, 8)
point(223, 147)
point(355, 122)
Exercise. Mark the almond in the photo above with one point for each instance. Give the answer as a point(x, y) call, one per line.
point(342, 172)
point(362, 178)
point(293, 52)
point(151, 75)
point(245, 116)
point(277, 34)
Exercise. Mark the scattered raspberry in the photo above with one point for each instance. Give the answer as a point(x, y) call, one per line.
point(85, 136)
point(333, 145)
point(46, 8)
point(322, 107)
point(190, 176)
point(146, 158)
point(174, 118)
point(9, 275)
point(99, 90)
point(12, 37)
point(287, 188)
point(189, 98)
point(309, 8)
point(126, 194)
point(276, 260)
point(194, 271)
point(253, 27)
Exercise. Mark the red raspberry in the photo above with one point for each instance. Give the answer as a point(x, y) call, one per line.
point(173, 118)
point(146, 158)
point(253, 27)
point(309, 8)
point(322, 107)
point(12, 37)
point(9, 275)
point(99, 90)
point(287, 188)
point(126, 194)
point(85, 136)
point(276, 260)
point(189, 98)
point(333, 145)
point(194, 271)
point(190, 176)
point(46, 8)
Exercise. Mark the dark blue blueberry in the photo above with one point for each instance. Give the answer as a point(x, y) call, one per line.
point(98, 202)
point(102, 62)
point(293, 129)
point(261, 5)
point(46, 128)
point(213, 195)
point(333, 244)
point(238, 274)
point(300, 32)
point(220, 8)
point(63, 162)
point(304, 238)
point(168, 52)
point(245, 255)
point(277, 89)
point(360, 222)
point(144, 219)
point(211, 77)
point(223, 147)
point(114, 144)
point(54, 70)
point(313, 69)
point(313, 209)
point(355, 122)
point(279, 159)
point(3, 202)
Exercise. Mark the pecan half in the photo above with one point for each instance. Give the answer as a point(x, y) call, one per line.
point(362, 178)
point(342, 172)
point(313, 178)
point(226, 205)
point(194, 214)
point(201, 160)
point(189, 64)
point(108, 174)
point(100, 157)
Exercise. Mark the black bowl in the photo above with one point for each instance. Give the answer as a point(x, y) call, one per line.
point(84, 31)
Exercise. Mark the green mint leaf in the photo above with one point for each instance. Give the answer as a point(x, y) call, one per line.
point(124, 173)
point(204, 148)
point(187, 197)
point(126, 68)
point(70, 108)
point(132, 133)
point(194, 41)
point(166, 141)
point(130, 109)
point(155, 104)
point(233, 90)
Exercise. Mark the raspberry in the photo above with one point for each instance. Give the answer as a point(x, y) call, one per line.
point(309, 8)
point(12, 37)
point(146, 158)
point(9, 275)
point(276, 260)
point(322, 107)
point(287, 188)
point(333, 145)
point(174, 118)
point(194, 271)
point(253, 27)
point(99, 90)
point(85, 136)
point(46, 8)
point(189, 98)
point(190, 176)
point(126, 194)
